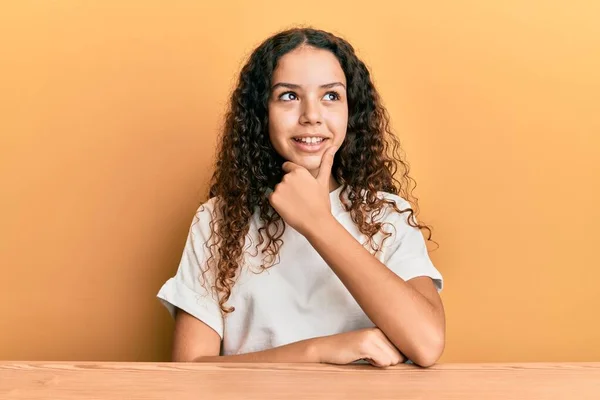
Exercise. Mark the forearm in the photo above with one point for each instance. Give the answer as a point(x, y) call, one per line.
point(407, 318)
point(298, 352)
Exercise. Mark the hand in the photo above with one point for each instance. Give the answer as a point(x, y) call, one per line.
point(369, 344)
point(302, 200)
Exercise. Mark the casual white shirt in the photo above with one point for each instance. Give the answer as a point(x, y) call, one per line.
point(299, 297)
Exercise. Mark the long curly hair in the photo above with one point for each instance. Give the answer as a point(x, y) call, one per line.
point(247, 165)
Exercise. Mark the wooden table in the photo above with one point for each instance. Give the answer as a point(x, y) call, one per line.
point(111, 380)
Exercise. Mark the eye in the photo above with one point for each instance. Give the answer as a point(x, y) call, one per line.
point(288, 96)
point(331, 96)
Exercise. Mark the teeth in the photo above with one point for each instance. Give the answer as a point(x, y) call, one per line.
point(310, 140)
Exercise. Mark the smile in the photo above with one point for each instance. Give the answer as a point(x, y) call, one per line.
point(309, 144)
point(310, 140)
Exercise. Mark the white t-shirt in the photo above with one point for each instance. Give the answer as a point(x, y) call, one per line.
point(299, 297)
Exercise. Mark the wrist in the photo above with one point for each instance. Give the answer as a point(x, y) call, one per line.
point(314, 349)
point(321, 228)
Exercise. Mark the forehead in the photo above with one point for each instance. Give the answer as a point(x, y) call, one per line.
point(309, 66)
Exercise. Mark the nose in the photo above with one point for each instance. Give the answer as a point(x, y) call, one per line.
point(311, 112)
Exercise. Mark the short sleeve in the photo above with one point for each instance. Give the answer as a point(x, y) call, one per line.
point(190, 290)
point(405, 252)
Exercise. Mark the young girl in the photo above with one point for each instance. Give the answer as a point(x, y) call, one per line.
point(307, 250)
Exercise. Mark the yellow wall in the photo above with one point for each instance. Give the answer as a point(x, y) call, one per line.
point(109, 113)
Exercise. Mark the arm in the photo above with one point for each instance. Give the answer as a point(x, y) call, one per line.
point(196, 341)
point(410, 313)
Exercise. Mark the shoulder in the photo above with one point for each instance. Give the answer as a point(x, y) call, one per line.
point(399, 201)
point(204, 216)
point(404, 208)
point(208, 207)
point(393, 209)
point(399, 216)
point(209, 215)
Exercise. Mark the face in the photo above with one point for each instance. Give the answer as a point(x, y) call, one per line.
point(308, 108)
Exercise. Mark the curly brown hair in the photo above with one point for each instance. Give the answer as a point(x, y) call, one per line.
point(247, 166)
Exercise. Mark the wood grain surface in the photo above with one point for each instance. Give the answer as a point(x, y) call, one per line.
point(108, 380)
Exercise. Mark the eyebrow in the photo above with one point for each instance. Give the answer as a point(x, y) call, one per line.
point(294, 86)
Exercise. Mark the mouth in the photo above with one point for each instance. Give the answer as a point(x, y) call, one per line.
point(309, 144)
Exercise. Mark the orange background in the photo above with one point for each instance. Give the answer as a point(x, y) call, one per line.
point(109, 115)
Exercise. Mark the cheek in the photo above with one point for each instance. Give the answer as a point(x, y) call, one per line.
point(338, 124)
point(280, 123)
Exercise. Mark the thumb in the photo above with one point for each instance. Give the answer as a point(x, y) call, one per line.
point(326, 165)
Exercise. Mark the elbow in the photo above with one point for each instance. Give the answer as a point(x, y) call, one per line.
point(429, 352)
point(426, 360)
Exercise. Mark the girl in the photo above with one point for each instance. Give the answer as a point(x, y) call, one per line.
point(307, 250)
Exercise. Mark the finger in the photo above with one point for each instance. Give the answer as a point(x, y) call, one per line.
point(289, 166)
point(391, 351)
point(395, 355)
point(383, 355)
point(378, 359)
point(377, 355)
point(271, 194)
point(326, 165)
point(270, 197)
point(370, 361)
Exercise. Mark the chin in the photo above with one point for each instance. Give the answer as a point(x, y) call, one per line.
point(308, 164)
